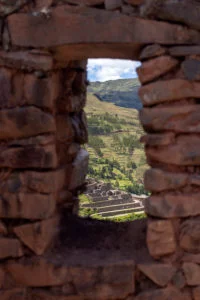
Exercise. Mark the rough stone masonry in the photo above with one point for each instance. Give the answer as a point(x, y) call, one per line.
point(43, 55)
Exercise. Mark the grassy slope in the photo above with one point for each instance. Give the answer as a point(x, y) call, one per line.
point(95, 107)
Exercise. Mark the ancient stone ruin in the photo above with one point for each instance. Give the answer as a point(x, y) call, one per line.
point(106, 201)
point(46, 251)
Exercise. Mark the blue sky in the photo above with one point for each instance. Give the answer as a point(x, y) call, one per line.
point(111, 69)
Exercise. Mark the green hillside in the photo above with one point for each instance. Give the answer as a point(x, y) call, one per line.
point(122, 92)
point(115, 152)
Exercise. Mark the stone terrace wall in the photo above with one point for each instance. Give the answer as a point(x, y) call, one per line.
point(107, 201)
point(42, 127)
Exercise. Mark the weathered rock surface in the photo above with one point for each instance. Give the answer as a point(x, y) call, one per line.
point(10, 247)
point(183, 118)
point(186, 11)
point(28, 60)
point(167, 293)
point(25, 122)
point(184, 152)
point(190, 236)
point(160, 238)
point(67, 20)
point(38, 152)
point(156, 67)
point(79, 170)
point(196, 293)
point(156, 180)
point(168, 90)
point(3, 229)
point(184, 50)
point(27, 206)
point(41, 92)
point(161, 274)
point(38, 236)
point(17, 293)
point(157, 139)
point(8, 7)
point(92, 280)
point(191, 69)
point(172, 205)
point(152, 51)
point(192, 273)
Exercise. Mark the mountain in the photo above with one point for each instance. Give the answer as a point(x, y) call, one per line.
point(121, 92)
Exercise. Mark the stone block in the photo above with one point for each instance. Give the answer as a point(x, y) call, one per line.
point(65, 131)
point(170, 292)
point(156, 180)
point(2, 277)
point(179, 280)
point(39, 294)
point(192, 273)
point(6, 87)
point(37, 272)
point(191, 69)
point(190, 257)
point(3, 229)
point(158, 139)
point(156, 67)
point(190, 236)
point(152, 51)
point(79, 170)
point(168, 90)
point(33, 181)
point(184, 152)
point(185, 12)
point(111, 26)
point(8, 7)
point(160, 274)
point(25, 122)
point(44, 182)
point(196, 293)
point(107, 291)
point(42, 92)
point(115, 280)
point(113, 4)
point(183, 118)
point(27, 206)
point(39, 152)
point(135, 2)
point(72, 103)
point(38, 236)
point(172, 205)
point(17, 293)
point(184, 50)
point(86, 2)
point(10, 247)
point(27, 60)
point(160, 238)
point(41, 4)
point(79, 123)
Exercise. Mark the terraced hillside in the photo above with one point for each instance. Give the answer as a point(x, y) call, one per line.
point(116, 155)
point(102, 201)
point(122, 92)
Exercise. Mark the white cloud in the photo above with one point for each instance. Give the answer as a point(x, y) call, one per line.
point(111, 69)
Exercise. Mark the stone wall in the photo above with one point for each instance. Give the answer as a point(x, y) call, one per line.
point(44, 45)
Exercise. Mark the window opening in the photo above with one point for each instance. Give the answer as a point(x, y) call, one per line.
point(115, 189)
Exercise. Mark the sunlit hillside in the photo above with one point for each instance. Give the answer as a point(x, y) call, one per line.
point(116, 154)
